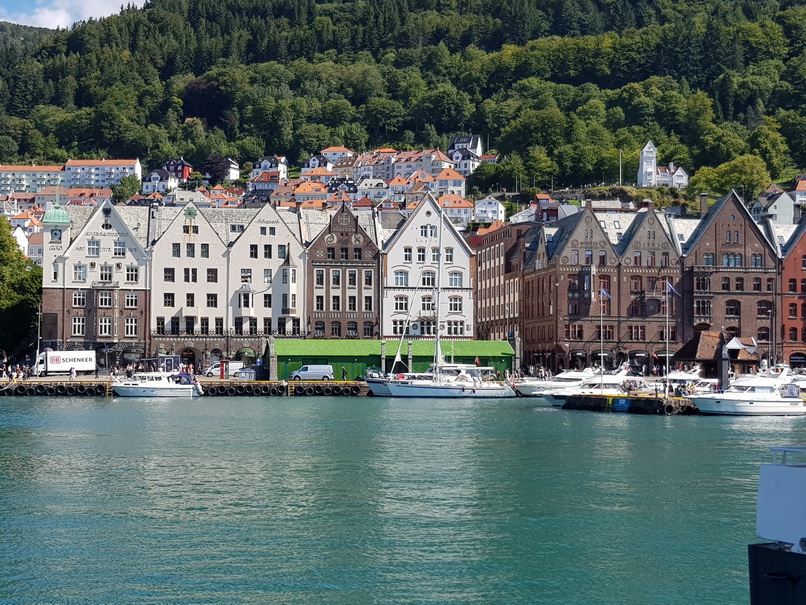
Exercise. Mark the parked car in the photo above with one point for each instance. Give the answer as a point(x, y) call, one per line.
point(215, 369)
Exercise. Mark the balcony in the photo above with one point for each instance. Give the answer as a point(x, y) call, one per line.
point(288, 311)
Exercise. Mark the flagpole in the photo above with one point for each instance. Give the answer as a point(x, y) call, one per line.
point(601, 339)
point(668, 301)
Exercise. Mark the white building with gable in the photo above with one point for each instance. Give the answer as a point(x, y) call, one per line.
point(412, 306)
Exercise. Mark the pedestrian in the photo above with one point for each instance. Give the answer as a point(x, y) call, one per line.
point(343, 373)
point(97, 371)
point(72, 373)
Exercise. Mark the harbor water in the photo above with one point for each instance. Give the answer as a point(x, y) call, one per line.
point(372, 500)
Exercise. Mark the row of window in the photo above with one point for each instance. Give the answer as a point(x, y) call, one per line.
point(703, 284)
point(733, 308)
point(401, 327)
point(105, 298)
point(607, 332)
point(106, 272)
point(733, 260)
point(242, 325)
point(421, 254)
point(429, 279)
point(335, 303)
point(335, 277)
point(79, 326)
point(428, 304)
point(352, 329)
point(94, 248)
point(204, 250)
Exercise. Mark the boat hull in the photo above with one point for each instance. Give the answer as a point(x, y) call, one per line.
point(180, 390)
point(743, 407)
point(449, 391)
point(379, 386)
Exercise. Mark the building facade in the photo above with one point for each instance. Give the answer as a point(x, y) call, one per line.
point(343, 280)
point(95, 281)
point(429, 273)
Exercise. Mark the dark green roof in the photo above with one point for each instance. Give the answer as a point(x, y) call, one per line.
point(420, 348)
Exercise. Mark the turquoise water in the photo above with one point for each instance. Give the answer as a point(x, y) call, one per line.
point(341, 500)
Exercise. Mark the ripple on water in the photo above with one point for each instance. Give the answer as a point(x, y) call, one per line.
point(338, 500)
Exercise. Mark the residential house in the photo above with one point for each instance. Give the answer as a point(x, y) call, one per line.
point(99, 174)
point(465, 161)
point(778, 206)
point(160, 181)
point(488, 210)
point(336, 153)
point(374, 189)
point(271, 163)
point(29, 178)
point(471, 142)
point(179, 168)
point(450, 181)
point(457, 209)
point(316, 161)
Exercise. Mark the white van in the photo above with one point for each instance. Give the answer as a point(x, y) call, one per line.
point(215, 369)
point(313, 372)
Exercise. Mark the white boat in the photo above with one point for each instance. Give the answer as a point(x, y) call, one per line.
point(379, 385)
point(467, 383)
point(769, 394)
point(533, 387)
point(621, 383)
point(157, 384)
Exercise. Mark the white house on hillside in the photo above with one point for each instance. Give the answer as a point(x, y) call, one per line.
point(488, 210)
point(652, 175)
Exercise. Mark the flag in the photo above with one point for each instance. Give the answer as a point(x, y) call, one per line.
point(478, 361)
point(670, 289)
point(605, 294)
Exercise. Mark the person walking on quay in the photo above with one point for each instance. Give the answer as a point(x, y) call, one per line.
point(72, 373)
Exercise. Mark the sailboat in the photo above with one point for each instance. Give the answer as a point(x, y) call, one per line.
point(452, 381)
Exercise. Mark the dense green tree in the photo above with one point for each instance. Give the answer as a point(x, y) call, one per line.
point(20, 294)
point(580, 79)
point(128, 186)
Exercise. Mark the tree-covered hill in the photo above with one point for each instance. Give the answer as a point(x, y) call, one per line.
point(559, 86)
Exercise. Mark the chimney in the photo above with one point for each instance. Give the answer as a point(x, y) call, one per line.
point(703, 204)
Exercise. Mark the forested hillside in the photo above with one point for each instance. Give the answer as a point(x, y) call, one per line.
point(559, 86)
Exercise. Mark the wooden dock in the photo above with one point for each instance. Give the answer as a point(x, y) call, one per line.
point(44, 387)
point(636, 404)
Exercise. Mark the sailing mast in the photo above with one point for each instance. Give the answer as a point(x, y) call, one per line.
point(668, 302)
point(437, 292)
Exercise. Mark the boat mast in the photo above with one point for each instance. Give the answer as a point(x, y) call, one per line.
point(437, 292)
point(668, 302)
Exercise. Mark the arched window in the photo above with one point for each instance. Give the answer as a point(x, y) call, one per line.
point(401, 303)
point(793, 334)
point(763, 334)
point(733, 308)
point(319, 328)
point(727, 236)
point(352, 328)
point(335, 328)
point(733, 331)
point(764, 308)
